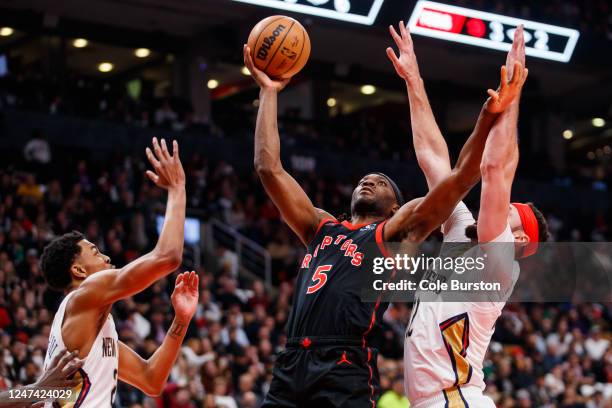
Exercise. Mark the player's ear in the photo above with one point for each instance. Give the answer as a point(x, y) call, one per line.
point(77, 271)
point(394, 209)
point(521, 237)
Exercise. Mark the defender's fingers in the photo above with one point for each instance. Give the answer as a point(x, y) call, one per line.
point(58, 356)
point(152, 159)
point(175, 150)
point(525, 73)
point(192, 279)
point(73, 366)
point(152, 176)
point(165, 151)
point(66, 358)
point(396, 36)
point(196, 282)
point(404, 31)
point(157, 149)
point(504, 76)
point(517, 74)
point(394, 60)
point(493, 94)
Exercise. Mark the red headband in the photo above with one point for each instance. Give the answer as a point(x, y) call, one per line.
point(530, 226)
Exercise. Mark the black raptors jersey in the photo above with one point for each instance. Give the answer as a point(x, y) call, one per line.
point(327, 299)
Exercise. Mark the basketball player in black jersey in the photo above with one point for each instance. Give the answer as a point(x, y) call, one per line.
point(328, 362)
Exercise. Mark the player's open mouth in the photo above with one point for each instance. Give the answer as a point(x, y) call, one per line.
point(367, 190)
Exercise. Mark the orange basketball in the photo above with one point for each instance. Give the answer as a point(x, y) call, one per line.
point(279, 46)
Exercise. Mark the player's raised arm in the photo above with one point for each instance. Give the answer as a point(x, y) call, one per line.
point(106, 287)
point(429, 144)
point(500, 158)
point(416, 219)
point(150, 375)
point(288, 196)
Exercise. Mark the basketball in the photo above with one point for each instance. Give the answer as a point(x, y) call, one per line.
point(280, 46)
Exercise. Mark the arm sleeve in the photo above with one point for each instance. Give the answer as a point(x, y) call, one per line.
point(454, 227)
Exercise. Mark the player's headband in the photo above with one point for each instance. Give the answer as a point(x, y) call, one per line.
point(398, 194)
point(530, 226)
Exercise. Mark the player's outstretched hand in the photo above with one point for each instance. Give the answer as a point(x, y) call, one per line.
point(185, 295)
point(263, 80)
point(508, 91)
point(517, 52)
point(406, 65)
point(168, 171)
point(63, 365)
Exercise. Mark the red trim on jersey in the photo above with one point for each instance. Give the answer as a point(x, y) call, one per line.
point(380, 241)
point(354, 227)
point(321, 224)
point(370, 378)
point(84, 389)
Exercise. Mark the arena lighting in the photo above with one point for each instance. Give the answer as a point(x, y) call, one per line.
point(598, 122)
point(245, 71)
point(212, 83)
point(80, 43)
point(568, 134)
point(368, 89)
point(353, 11)
point(105, 67)
point(331, 102)
point(488, 30)
point(142, 52)
point(6, 31)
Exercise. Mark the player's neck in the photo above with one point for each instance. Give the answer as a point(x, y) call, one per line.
point(365, 219)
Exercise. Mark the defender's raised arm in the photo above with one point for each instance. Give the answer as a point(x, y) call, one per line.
point(108, 286)
point(418, 218)
point(429, 144)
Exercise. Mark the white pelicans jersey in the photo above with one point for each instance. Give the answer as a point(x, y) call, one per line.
point(98, 376)
point(446, 342)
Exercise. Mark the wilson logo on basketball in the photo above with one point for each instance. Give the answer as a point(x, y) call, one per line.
point(262, 53)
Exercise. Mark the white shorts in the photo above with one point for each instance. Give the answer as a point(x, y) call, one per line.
point(471, 397)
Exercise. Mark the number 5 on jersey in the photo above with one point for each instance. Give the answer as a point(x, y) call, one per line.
point(319, 278)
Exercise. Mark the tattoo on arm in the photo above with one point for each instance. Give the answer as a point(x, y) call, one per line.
point(177, 330)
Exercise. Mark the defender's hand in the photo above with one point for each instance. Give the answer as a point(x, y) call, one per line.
point(169, 171)
point(517, 52)
point(63, 365)
point(185, 295)
point(263, 80)
point(508, 91)
point(406, 65)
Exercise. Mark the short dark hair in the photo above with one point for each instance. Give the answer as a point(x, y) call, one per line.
point(57, 259)
point(543, 232)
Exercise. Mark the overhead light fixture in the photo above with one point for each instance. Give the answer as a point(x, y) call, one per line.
point(598, 122)
point(6, 31)
point(368, 89)
point(142, 52)
point(568, 134)
point(212, 83)
point(331, 102)
point(245, 71)
point(80, 43)
point(105, 67)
